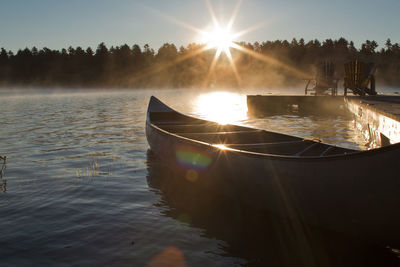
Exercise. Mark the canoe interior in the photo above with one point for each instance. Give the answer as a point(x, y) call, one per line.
point(242, 138)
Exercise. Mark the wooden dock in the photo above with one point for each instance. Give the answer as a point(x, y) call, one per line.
point(378, 117)
point(260, 105)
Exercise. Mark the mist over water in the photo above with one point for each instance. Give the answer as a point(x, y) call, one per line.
point(83, 189)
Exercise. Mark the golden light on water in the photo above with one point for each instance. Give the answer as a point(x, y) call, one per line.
point(222, 107)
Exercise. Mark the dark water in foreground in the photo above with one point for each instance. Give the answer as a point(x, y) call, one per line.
point(81, 188)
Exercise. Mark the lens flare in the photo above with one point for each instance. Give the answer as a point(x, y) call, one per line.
point(192, 175)
point(192, 159)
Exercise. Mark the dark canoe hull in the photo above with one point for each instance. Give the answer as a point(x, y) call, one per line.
point(357, 193)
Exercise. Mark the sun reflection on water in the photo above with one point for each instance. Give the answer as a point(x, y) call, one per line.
point(222, 107)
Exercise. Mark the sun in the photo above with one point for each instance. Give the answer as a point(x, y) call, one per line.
point(219, 38)
point(222, 38)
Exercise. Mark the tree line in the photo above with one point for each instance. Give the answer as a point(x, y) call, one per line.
point(259, 64)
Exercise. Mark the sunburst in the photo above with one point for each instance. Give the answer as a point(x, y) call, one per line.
point(222, 38)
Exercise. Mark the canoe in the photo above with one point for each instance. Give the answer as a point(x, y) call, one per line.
point(305, 180)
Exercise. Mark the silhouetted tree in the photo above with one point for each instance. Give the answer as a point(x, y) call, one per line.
point(133, 66)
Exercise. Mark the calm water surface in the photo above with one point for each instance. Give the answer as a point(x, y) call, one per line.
point(80, 186)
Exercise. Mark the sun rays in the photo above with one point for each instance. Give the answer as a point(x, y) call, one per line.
point(222, 38)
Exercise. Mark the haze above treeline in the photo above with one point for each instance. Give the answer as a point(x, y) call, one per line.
point(273, 64)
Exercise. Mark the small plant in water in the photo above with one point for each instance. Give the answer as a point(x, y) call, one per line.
point(3, 182)
point(90, 171)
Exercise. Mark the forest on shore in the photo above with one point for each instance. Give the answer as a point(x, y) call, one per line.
point(257, 65)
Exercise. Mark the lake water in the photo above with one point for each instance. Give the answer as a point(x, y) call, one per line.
point(80, 186)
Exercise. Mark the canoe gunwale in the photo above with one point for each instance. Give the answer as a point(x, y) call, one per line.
point(216, 148)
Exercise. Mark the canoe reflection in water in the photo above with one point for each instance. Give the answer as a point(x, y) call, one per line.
point(261, 238)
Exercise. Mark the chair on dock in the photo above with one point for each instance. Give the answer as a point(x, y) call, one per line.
point(324, 81)
point(359, 78)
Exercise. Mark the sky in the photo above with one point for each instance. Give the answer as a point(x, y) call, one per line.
point(59, 24)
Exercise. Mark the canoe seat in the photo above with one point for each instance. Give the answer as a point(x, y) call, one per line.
point(320, 150)
point(311, 148)
point(238, 137)
point(201, 128)
point(284, 148)
point(298, 148)
point(254, 145)
point(334, 150)
point(221, 133)
point(159, 118)
point(279, 148)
